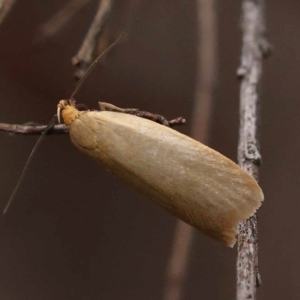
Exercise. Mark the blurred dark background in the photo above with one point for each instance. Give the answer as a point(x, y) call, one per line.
point(76, 232)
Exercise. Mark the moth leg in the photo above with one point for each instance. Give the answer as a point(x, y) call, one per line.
point(111, 107)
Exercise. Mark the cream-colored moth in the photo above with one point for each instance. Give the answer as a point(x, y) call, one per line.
point(190, 180)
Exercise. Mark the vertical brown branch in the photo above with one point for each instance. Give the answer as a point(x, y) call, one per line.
point(5, 7)
point(205, 84)
point(254, 48)
point(84, 57)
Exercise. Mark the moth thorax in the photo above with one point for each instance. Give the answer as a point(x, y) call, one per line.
point(68, 112)
point(69, 115)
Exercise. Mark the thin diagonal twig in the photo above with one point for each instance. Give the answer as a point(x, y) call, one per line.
point(84, 56)
point(254, 48)
point(5, 7)
point(61, 18)
point(205, 84)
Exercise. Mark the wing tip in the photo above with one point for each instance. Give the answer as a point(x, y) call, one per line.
point(230, 233)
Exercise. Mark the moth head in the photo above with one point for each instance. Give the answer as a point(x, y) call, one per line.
point(66, 109)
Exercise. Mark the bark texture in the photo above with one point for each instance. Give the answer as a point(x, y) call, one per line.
point(254, 49)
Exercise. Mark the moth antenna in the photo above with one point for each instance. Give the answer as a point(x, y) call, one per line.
point(49, 126)
point(71, 101)
point(93, 65)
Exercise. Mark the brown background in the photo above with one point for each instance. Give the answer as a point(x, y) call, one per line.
point(74, 231)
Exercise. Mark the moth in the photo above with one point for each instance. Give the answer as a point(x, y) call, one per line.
point(193, 182)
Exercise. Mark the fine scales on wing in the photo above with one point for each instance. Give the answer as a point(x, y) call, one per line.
point(190, 180)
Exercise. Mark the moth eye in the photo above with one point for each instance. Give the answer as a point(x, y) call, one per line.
point(81, 107)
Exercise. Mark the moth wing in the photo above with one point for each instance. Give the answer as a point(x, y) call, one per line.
point(190, 180)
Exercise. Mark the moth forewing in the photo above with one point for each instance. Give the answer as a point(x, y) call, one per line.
point(190, 180)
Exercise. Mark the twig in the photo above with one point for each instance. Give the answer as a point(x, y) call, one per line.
point(158, 118)
point(205, 84)
point(254, 48)
point(32, 128)
point(84, 57)
point(61, 18)
point(5, 7)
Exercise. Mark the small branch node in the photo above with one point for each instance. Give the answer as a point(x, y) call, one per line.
point(81, 67)
point(241, 72)
point(252, 154)
point(265, 47)
point(258, 280)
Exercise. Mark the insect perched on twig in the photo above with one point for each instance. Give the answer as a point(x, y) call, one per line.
point(193, 182)
point(190, 180)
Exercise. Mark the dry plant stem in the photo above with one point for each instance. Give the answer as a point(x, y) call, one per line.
point(5, 7)
point(84, 57)
point(61, 18)
point(254, 48)
point(32, 128)
point(205, 84)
